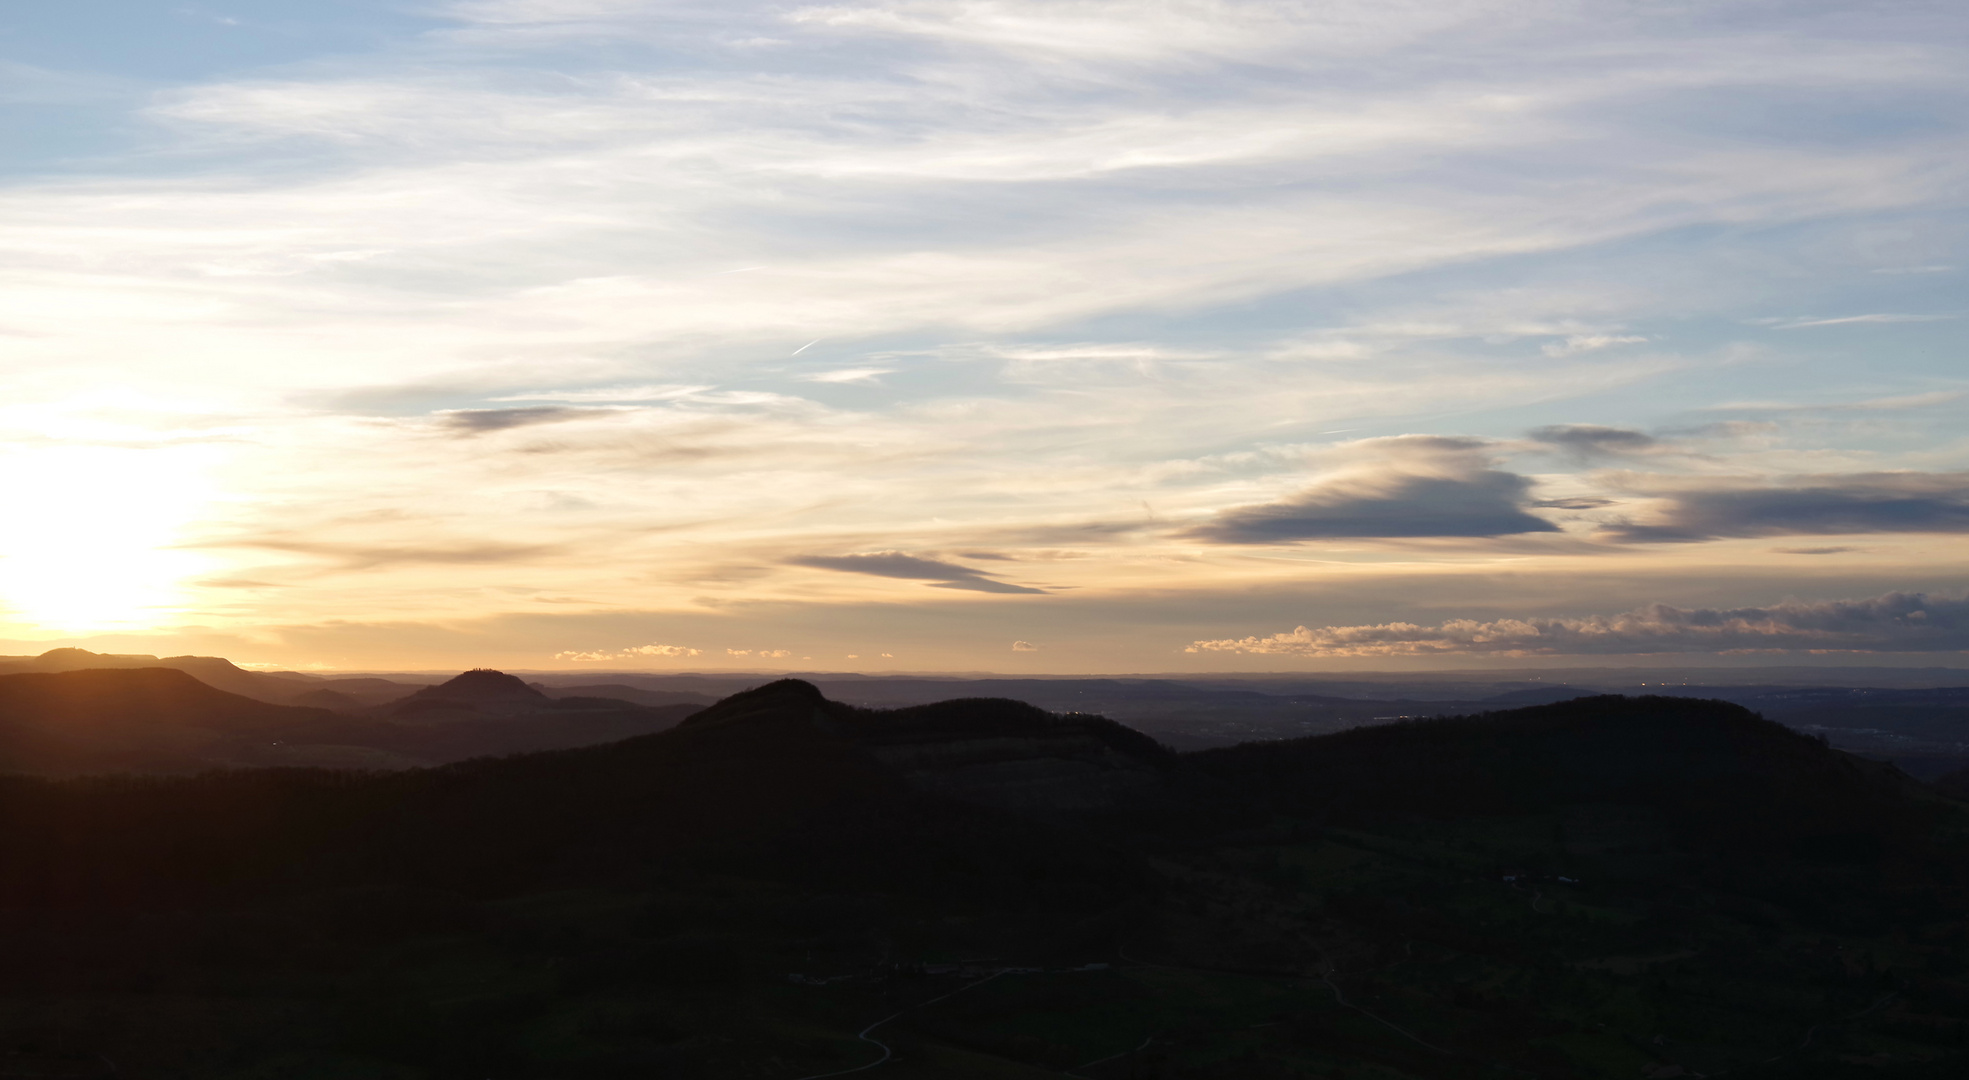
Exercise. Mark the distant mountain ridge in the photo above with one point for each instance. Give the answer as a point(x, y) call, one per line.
point(279, 688)
point(993, 752)
point(1923, 729)
point(478, 690)
point(165, 720)
point(132, 720)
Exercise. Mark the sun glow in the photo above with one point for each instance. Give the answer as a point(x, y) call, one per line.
point(88, 540)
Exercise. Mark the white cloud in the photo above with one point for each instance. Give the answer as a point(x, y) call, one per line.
point(848, 375)
point(635, 653)
point(1848, 320)
point(1579, 343)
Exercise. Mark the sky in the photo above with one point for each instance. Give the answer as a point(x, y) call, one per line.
point(986, 335)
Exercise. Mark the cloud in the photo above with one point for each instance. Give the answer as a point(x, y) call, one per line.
point(1024, 646)
point(1579, 343)
point(478, 421)
point(636, 653)
point(897, 564)
point(1900, 502)
point(848, 375)
point(1895, 622)
point(369, 557)
point(1879, 404)
point(1585, 441)
point(1846, 320)
point(1574, 502)
point(616, 393)
point(1417, 486)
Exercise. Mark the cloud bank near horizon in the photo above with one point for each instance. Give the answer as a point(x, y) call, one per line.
point(1891, 623)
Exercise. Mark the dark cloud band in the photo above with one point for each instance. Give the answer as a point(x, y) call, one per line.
point(1472, 503)
point(1816, 506)
point(897, 564)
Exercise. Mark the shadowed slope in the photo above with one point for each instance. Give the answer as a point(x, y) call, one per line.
point(762, 783)
point(163, 720)
point(1587, 891)
point(134, 719)
point(1721, 779)
point(989, 751)
point(479, 689)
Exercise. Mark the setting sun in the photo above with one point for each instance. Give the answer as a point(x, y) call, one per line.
point(90, 546)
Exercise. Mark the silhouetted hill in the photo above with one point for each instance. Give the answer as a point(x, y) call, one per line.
point(213, 671)
point(1711, 778)
point(163, 720)
point(625, 692)
point(481, 689)
point(990, 751)
point(776, 774)
point(1606, 748)
point(135, 720)
point(1607, 887)
point(332, 700)
point(1537, 695)
point(274, 688)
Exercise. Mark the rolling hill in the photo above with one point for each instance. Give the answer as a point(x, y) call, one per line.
point(166, 721)
point(1605, 887)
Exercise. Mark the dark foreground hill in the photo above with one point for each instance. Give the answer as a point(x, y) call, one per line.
point(1602, 888)
point(163, 720)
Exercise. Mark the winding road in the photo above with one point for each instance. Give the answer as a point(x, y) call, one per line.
point(887, 1051)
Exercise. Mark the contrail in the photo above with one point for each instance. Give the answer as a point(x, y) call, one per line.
point(807, 346)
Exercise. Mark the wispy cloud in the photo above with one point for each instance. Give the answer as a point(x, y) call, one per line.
point(1579, 343)
point(1848, 320)
point(896, 564)
point(848, 375)
point(623, 394)
point(1878, 404)
point(479, 421)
